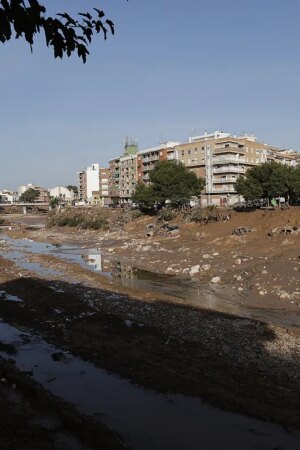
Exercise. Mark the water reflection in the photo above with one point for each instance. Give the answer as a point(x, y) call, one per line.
point(190, 291)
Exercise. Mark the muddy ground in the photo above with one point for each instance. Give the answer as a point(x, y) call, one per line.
point(235, 363)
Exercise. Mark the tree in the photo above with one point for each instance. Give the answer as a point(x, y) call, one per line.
point(170, 180)
point(269, 180)
point(249, 188)
point(72, 188)
point(29, 196)
point(144, 196)
point(66, 34)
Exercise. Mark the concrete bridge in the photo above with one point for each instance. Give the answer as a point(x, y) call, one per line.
point(25, 207)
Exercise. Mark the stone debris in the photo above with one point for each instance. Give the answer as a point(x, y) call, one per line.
point(240, 231)
point(215, 280)
point(194, 269)
point(277, 231)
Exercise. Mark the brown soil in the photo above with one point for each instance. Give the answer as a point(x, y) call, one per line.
point(235, 363)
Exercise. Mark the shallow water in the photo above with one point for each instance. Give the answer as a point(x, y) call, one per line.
point(187, 290)
point(145, 419)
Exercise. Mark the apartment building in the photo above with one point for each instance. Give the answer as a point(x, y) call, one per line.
point(88, 182)
point(82, 193)
point(62, 193)
point(8, 196)
point(147, 159)
point(220, 159)
point(128, 177)
point(102, 197)
point(113, 180)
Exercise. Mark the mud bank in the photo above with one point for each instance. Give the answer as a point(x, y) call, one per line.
point(234, 363)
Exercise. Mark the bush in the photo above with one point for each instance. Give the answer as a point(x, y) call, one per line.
point(166, 214)
point(85, 220)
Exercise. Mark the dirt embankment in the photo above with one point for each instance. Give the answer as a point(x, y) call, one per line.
point(238, 364)
point(260, 269)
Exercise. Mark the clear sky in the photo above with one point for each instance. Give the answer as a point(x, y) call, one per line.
point(173, 69)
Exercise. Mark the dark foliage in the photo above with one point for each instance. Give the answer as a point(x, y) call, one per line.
point(268, 180)
point(29, 196)
point(65, 34)
point(170, 181)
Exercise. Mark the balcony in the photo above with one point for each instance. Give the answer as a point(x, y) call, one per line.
point(148, 168)
point(228, 169)
point(150, 159)
point(223, 190)
point(234, 150)
point(224, 180)
point(227, 160)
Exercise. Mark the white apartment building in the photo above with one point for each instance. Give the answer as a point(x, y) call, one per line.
point(8, 196)
point(92, 180)
point(62, 193)
point(88, 182)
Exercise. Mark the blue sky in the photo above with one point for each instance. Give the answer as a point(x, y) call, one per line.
point(172, 70)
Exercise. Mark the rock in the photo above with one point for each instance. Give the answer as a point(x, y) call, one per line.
point(215, 280)
point(238, 277)
point(241, 231)
point(264, 272)
point(146, 248)
point(128, 323)
point(205, 267)
point(206, 256)
point(285, 295)
point(238, 261)
point(194, 269)
point(58, 356)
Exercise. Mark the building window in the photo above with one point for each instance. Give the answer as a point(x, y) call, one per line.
point(189, 152)
point(182, 152)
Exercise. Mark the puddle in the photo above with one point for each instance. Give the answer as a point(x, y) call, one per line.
point(146, 420)
point(10, 298)
point(189, 291)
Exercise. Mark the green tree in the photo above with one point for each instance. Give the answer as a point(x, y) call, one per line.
point(249, 188)
point(29, 196)
point(144, 196)
point(72, 188)
point(170, 180)
point(65, 34)
point(54, 201)
point(269, 180)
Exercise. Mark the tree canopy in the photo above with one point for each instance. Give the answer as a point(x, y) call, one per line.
point(269, 180)
point(65, 34)
point(170, 180)
point(72, 188)
point(30, 195)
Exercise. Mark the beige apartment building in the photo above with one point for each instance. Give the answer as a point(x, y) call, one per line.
point(128, 177)
point(113, 179)
point(102, 197)
point(82, 188)
point(220, 159)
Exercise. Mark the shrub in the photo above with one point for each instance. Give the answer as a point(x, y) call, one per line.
point(166, 214)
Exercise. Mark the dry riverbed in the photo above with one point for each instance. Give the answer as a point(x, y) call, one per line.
point(159, 342)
